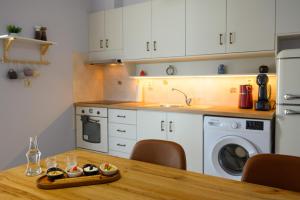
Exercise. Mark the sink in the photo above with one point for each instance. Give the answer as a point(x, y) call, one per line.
point(201, 106)
point(171, 105)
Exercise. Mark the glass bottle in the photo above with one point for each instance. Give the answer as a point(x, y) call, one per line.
point(33, 158)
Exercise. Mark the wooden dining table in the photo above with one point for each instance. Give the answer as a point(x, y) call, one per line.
point(139, 180)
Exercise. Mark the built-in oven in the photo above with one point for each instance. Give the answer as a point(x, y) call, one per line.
point(91, 128)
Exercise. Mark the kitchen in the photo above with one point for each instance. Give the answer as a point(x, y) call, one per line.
point(195, 72)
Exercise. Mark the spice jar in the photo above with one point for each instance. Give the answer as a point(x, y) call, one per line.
point(43, 33)
point(37, 32)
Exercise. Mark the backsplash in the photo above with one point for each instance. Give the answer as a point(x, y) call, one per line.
point(205, 90)
point(218, 91)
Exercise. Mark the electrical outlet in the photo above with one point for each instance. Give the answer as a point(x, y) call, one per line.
point(233, 90)
point(27, 83)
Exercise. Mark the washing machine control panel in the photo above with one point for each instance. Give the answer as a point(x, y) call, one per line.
point(254, 125)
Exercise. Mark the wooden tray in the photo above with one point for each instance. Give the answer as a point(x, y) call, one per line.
point(44, 183)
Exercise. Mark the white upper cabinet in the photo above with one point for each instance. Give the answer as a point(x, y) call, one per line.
point(205, 26)
point(137, 31)
point(106, 30)
point(250, 25)
point(114, 29)
point(168, 28)
point(288, 16)
point(96, 31)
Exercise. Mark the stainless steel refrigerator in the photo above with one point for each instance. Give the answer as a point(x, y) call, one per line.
point(287, 139)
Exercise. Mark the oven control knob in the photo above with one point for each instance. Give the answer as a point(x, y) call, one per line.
point(82, 111)
point(98, 112)
point(234, 125)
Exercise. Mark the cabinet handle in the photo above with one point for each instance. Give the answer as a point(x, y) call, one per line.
point(148, 46)
point(221, 39)
point(162, 125)
point(101, 44)
point(121, 116)
point(291, 97)
point(230, 38)
point(291, 112)
point(121, 131)
point(121, 145)
point(154, 45)
point(170, 126)
point(106, 43)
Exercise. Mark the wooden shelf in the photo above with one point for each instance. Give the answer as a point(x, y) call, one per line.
point(8, 41)
point(225, 56)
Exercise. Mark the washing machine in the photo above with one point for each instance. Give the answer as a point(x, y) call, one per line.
point(230, 142)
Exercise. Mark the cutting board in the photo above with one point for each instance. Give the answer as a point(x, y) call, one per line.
point(44, 183)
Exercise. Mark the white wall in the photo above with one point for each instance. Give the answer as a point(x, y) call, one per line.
point(45, 109)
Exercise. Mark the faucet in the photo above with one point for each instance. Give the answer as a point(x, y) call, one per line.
point(187, 100)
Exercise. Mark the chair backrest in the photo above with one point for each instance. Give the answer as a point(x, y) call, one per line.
point(273, 170)
point(160, 152)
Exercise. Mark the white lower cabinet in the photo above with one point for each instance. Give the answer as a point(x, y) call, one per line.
point(122, 132)
point(182, 128)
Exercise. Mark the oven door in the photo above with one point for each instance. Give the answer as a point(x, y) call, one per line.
point(91, 133)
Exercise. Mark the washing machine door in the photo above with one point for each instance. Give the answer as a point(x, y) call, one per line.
point(230, 154)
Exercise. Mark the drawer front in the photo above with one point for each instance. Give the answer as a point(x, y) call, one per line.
point(122, 116)
point(120, 144)
point(122, 131)
point(119, 154)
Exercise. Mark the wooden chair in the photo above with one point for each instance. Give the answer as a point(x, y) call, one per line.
point(273, 170)
point(160, 152)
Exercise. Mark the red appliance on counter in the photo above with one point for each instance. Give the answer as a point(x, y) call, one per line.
point(246, 99)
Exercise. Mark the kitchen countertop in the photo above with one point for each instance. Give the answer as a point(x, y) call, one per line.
point(138, 181)
point(195, 109)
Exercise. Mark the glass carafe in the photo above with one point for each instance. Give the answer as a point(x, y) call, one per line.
point(33, 158)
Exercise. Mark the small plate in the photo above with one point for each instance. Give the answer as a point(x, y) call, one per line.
point(75, 174)
point(113, 169)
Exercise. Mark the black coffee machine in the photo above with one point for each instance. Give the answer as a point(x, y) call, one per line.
point(262, 79)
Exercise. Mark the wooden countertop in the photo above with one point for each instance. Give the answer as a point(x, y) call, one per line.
point(205, 110)
point(139, 181)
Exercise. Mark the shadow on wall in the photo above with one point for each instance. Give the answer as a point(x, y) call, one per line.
point(50, 141)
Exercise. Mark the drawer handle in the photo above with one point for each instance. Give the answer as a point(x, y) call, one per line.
point(162, 125)
point(121, 131)
point(121, 145)
point(121, 116)
point(230, 38)
point(221, 39)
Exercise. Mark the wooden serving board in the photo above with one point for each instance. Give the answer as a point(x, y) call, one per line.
point(44, 183)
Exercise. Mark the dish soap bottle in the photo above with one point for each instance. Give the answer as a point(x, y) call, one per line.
point(33, 158)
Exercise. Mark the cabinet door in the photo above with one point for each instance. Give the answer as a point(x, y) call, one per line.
point(168, 28)
point(96, 31)
point(114, 29)
point(151, 125)
point(187, 130)
point(205, 27)
point(250, 25)
point(287, 16)
point(137, 31)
